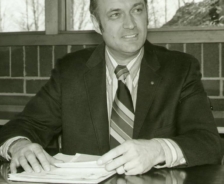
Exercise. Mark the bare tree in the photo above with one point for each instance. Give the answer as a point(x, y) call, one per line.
point(34, 11)
point(72, 13)
point(165, 10)
point(152, 14)
point(187, 1)
point(30, 20)
point(79, 14)
point(28, 26)
point(81, 17)
point(1, 17)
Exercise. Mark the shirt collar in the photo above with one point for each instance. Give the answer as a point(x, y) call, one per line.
point(133, 66)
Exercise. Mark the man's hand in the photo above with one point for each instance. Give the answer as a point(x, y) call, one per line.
point(133, 157)
point(30, 156)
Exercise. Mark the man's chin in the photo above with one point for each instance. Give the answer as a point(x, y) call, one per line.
point(130, 51)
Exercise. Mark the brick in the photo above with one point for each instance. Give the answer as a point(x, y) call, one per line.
point(75, 48)
point(11, 86)
point(31, 61)
point(4, 61)
point(176, 46)
point(218, 104)
point(195, 50)
point(17, 61)
point(14, 100)
point(212, 87)
point(59, 52)
point(45, 60)
point(211, 60)
point(33, 86)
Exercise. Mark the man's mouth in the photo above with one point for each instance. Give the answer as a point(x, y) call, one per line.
point(130, 36)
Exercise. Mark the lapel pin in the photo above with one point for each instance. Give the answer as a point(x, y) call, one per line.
point(152, 83)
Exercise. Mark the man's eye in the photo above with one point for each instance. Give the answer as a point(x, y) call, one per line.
point(114, 15)
point(138, 10)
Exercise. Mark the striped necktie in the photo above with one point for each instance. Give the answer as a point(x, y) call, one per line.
point(122, 116)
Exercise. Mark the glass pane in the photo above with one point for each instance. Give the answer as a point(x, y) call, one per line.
point(185, 13)
point(22, 15)
point(162, 13)
point(79, 15)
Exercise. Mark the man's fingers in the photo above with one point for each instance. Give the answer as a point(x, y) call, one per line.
point(116, 163)
point(23, 162)
point(119, 161)
point(120, 170)
point(13, 167)
point(51, 159)
point(114, 153)
point(134, 168)
point(131, 165)
point(42, 159)
point(31, 158)
point(134, 171)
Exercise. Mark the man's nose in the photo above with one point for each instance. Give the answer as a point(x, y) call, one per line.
point(129, 22)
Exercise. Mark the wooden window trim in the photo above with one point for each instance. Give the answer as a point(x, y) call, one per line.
point(160, 35)
point(51, 17)
point(92, 38)
point(56, 16)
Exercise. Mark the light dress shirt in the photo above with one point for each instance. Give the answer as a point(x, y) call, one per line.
point(173, 154)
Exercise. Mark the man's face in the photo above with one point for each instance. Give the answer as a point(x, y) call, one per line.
point(124, 25)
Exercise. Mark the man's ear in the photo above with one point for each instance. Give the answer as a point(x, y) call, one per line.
point(96, 24)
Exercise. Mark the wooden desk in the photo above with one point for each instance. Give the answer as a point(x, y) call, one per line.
point(209, 174)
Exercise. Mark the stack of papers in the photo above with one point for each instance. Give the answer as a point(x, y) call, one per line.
point(80, 168)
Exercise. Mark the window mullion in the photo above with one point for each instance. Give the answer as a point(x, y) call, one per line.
point(62, 15)
point(69, 18)
point(52, 17)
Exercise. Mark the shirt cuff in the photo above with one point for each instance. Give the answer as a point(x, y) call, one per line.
point(4, 148)
point(173, 154)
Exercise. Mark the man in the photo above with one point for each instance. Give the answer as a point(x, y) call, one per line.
point(126, 91)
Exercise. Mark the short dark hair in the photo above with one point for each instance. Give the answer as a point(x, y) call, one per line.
point(94, 6)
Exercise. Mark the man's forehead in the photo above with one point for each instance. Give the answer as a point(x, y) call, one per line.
point(107, 5)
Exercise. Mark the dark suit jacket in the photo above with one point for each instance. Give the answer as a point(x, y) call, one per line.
point(171, 103)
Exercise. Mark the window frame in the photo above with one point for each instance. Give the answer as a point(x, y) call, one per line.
point(56, 26)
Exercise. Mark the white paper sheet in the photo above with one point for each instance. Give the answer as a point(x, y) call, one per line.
point(80, 168)
point(79, 160)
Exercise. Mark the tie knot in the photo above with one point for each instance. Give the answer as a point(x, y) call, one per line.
point(121, 72)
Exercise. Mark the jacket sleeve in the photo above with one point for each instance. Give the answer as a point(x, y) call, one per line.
point(41, 118)
point(197, 137)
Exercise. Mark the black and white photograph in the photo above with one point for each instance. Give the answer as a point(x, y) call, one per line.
point(112, 91)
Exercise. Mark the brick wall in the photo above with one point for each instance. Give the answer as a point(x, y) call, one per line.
point(24, 69)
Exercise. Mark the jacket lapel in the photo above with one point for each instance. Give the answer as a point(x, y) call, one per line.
point(148, 83)
point(95, 79)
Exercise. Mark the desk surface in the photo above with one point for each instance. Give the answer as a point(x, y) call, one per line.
point(211, 174)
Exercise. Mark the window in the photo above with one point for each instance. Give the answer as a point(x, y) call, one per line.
point(22, 15)
point(162, 14)
point(79, 15)
point(185, 13)
point(29, 15)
